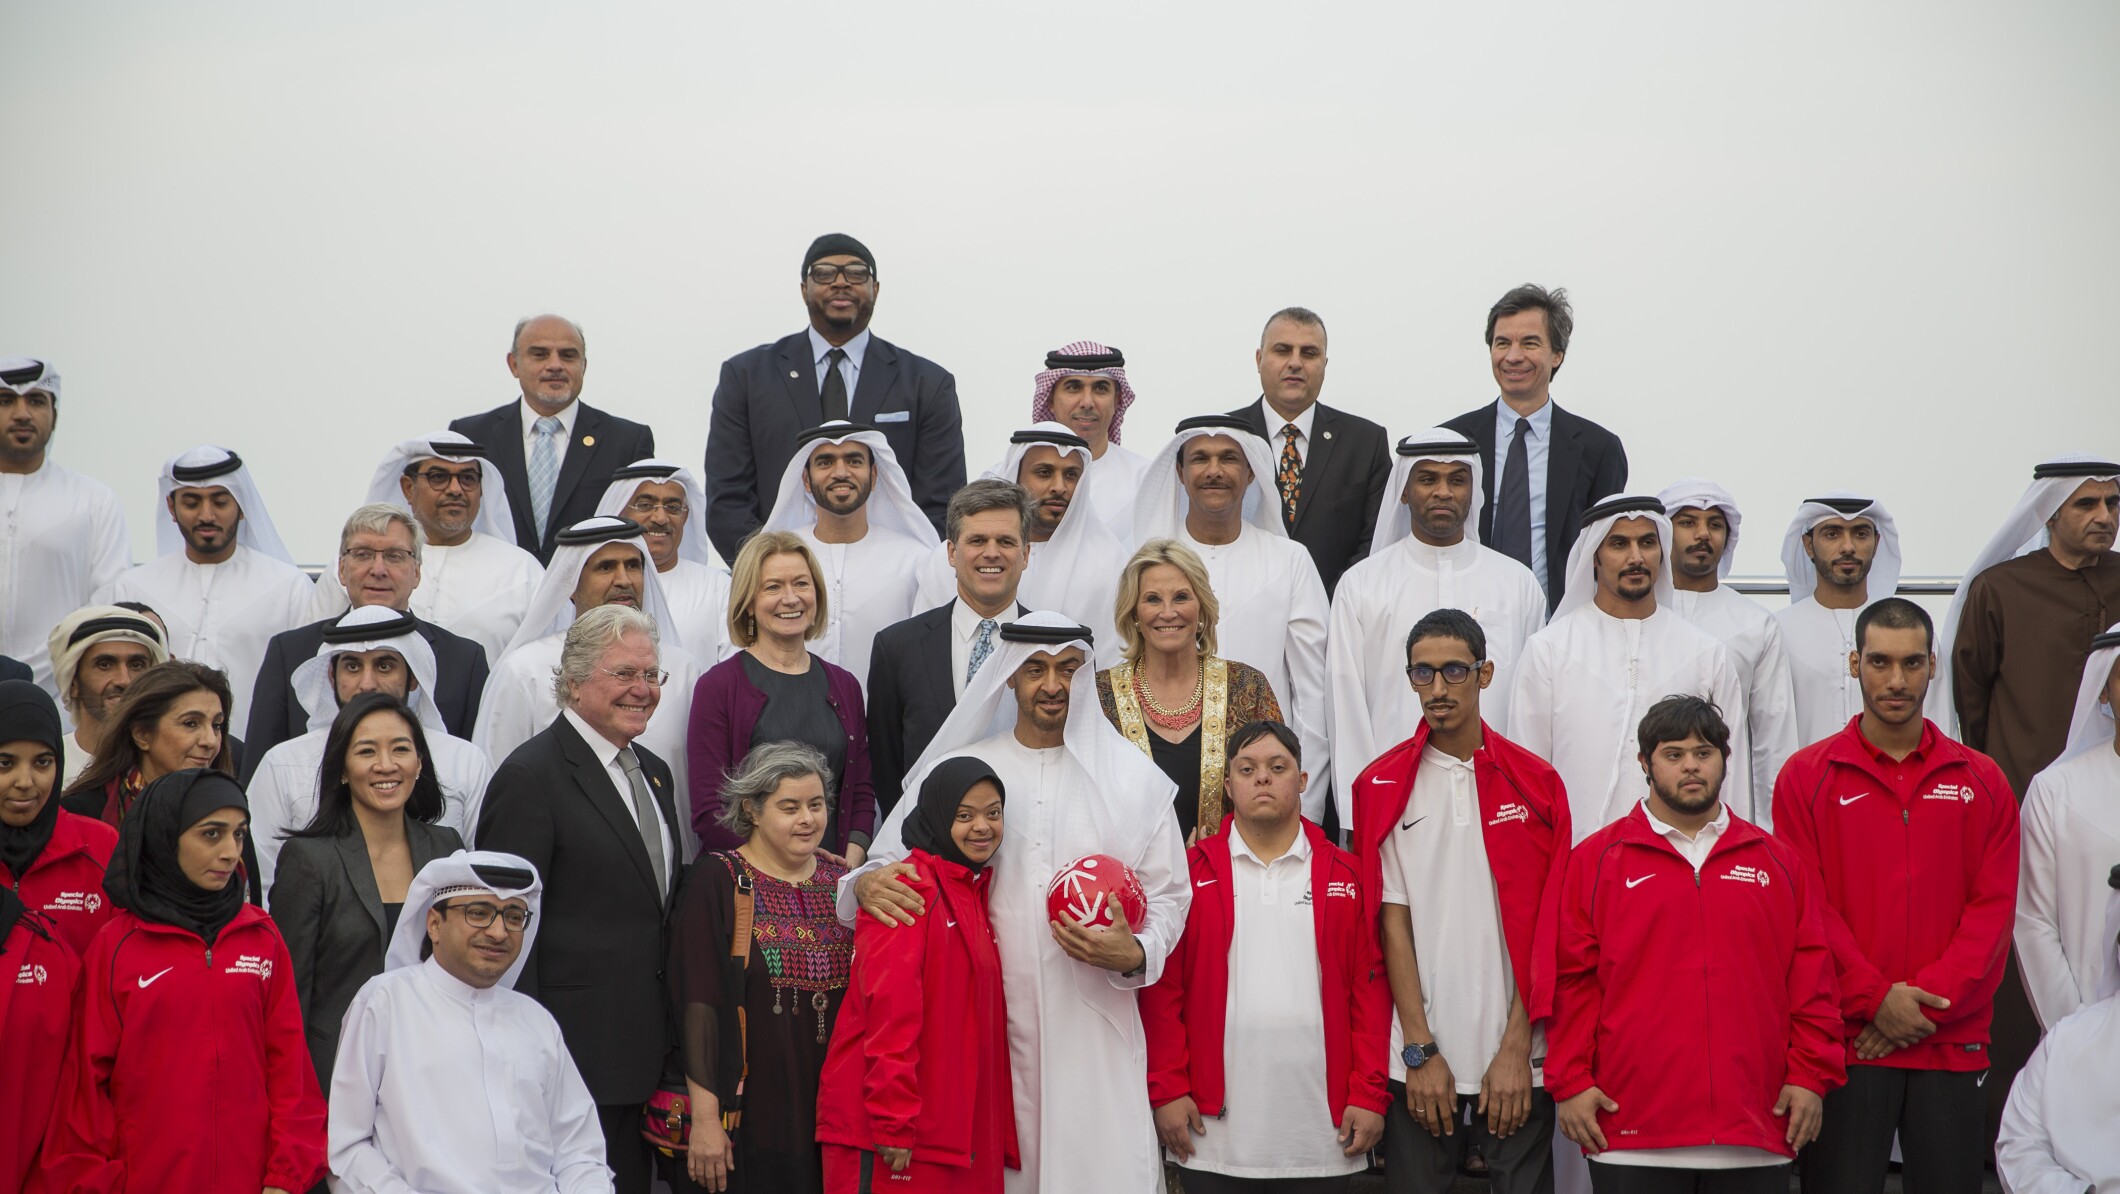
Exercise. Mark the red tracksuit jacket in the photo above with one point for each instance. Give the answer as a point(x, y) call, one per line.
point(1691, 1000)
point(919, 1056)
point(38, 979)
point(191, 1069)
point(65, 882)
point(1919, 864)
point(1527, 828)
point(1185, 1011)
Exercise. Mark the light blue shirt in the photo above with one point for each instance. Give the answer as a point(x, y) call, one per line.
point(849, 369)
point(1538, 444)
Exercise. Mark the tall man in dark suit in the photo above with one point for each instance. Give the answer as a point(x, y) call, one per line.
point(919, 667)
point(834, 369)
point(379, 564)
point(1552, 465)
point(593, 811)
point(1333, 465)
point(555, 452)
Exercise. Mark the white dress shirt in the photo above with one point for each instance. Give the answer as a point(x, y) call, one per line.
point(1280, 427)
point(849, 369)
point(964, 630)
point(566, 417)
point(606, 754)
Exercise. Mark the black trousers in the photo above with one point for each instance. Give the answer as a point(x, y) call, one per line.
point(624, 1151)
point(1418, 1163)
point(1940, 1118)
point(1644, 1179)
point(1198, 1181)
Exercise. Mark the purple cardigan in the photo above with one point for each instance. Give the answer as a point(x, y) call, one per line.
point(725, 709)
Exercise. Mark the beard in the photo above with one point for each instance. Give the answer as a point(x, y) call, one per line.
point(1679, 799)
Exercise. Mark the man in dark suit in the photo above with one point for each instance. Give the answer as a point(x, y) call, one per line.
point(555, 453)
point(1333, 465)
point(379, 564)
point(919, 667)
point(593, 812)
point(1552, 465)
point(834, 369)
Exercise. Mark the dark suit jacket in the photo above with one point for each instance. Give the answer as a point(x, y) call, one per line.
point(1584, 465)
point(14, 669)
point(1346, 466)
point(769, 394)
point(584, 472)
point(276, 715)
point(325, 900)
point(910, 695)
point(597, 963)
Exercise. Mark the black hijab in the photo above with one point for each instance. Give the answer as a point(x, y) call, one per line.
point(928, 826)
point(27, 714)
point(144, 876)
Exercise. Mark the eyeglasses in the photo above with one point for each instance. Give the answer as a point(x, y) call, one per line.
point(482, 916)
point(855, 274)
point(438, 479)
point(396, 557)
point(1452, 673)
point(674, 507)
point(629, 676)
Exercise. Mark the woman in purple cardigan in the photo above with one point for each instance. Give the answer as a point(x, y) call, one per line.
point(774, 690)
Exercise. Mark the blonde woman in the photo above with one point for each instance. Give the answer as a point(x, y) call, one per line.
point(773, 689)
point(1174, 697)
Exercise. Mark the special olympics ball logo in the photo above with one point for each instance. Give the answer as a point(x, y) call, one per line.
point(94, 902)
point(1094, 891)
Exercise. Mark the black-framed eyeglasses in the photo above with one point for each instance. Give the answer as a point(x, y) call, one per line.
point(396, 557)
point(1452, 673)
point(855, 273)
point(482, 915)
point(628, 676)
point(674, 507)
point(439, 479)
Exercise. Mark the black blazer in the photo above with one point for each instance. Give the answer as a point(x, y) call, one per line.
point(1584, 465)
point(603, 443)
point(14, 669)
point(276, 715)
point(597, 965)
point(769, 394)
point(910, 695)
point(1345, 469)
point(325, 900)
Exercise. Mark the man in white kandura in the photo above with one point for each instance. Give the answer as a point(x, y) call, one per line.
point(844, 493)
point(224, 583)
point(1077, 1051)
point(474, 580)
point(1704, 526)
point(1075, 559)
point(97, 651)
point(1212, 489)
point(671, 508)
point(1614, 649)
point(1083, 388)
point(2057, 1129)
point(448, 1081)
point(370, 649)
point(62, 535)
point(1841, 552)
point(1426, 555)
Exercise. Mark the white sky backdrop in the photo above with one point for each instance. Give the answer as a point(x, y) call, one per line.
point(1809, 244)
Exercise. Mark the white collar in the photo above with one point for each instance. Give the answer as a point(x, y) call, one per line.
point(566, 417)
point(456, 988)
point(1505, 422)
point(1275, 424)
point(856, 349)
point(964, 620)
point(1444, 759)
point(599, 745)
point(1239, 848)
point(1709, 832)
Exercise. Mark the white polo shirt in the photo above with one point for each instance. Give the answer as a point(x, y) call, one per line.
point(1276, 1120)
point(1435, 865)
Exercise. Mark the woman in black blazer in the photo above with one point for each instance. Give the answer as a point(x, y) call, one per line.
point(342, 879)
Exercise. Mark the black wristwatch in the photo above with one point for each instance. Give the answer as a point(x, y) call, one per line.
point(1416, 1056)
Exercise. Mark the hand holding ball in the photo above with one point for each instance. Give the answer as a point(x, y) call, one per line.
point(1095, 891)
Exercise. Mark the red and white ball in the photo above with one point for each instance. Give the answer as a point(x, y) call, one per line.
point(1095, 891)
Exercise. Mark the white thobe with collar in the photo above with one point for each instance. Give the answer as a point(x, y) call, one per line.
point(62, 538)
point(221, 615)
point(1817, 642)
point(2070, 838)
point(2058, 1132)
point(1753, 638)
point(869, 584)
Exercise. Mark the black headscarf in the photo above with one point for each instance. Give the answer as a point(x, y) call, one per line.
point(27, 714)
point(144, 876)
point(928, 826)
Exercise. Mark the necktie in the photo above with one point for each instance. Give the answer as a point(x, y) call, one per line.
point(544, 470)
point(644, 810)
point(1291, 474)
point(1512, 506)
point(835, 386)
point(982, 646)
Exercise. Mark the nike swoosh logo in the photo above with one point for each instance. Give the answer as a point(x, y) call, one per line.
point(1848, 800)
point(1634, 883)
point(1981, 1080)
point(1414, 822)
point(1378, 779)
point(1203, 883)
point(148, 978)
point(950, 924)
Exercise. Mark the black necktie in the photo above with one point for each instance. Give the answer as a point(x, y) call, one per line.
point(1512, 506)
point(835, 386)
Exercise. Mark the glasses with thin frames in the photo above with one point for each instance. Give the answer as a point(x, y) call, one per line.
point(439, 479)
point(482, 915)
point(629, 676)
point(644, 506)
point(855, 274)
point(396, 557)
point(1452, 673)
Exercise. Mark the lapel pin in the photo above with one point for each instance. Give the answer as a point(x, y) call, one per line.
point(588, 441)
point(1328, 435)
point(794, 373)
point(656, 780)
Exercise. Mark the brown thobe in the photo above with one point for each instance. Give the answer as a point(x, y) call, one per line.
point(2022, 640)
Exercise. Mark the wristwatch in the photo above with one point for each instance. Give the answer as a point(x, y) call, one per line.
point(1416, 1056)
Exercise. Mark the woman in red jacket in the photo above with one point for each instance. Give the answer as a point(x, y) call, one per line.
point(191, 1070)
point(38, 977)
point(52, 859)
point(917, 1081)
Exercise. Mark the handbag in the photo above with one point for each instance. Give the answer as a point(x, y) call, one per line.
point(666, 1118)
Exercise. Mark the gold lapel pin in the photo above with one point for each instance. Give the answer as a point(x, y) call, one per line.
point(588, 441)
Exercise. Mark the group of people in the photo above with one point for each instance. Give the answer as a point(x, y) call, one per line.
point(594, 819)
